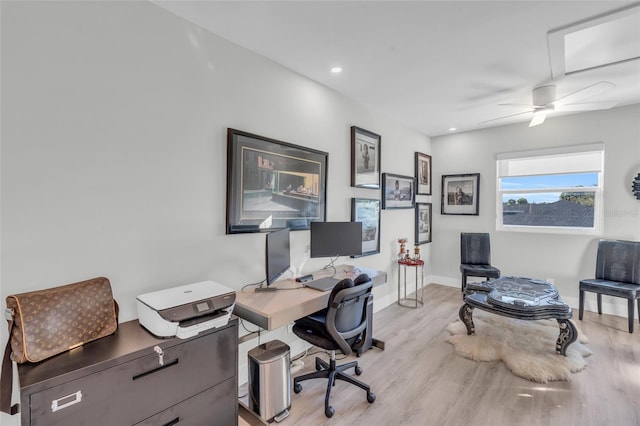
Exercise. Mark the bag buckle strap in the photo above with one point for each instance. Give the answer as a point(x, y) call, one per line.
point(9, 313)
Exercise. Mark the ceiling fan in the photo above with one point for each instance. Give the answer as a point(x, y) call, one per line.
point(545, 101)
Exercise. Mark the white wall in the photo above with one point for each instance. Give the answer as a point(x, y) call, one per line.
point(114, 118)
point(565, 258)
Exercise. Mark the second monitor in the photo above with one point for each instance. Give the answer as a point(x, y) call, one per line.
point(333, 239)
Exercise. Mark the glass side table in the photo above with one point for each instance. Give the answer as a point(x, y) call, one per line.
point(404, 300)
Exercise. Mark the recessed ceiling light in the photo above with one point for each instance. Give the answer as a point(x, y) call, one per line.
point(452, 129)
point(336, 70)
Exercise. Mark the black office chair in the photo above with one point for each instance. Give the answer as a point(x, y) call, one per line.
point(475, 257)
point(617, 274)
point(340, 326)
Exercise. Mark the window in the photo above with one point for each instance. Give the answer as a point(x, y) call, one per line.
point(555, 190)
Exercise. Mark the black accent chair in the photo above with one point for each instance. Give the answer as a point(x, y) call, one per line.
point(475, 257)
point(617, 274)
point(340, 326)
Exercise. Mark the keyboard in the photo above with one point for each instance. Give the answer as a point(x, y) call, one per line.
point(322, 284)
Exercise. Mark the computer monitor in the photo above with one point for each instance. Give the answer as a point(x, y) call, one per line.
point(333, 239)
point(277, 254)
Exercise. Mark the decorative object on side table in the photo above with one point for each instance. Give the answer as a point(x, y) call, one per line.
point(423, 223)
point(635, 187)
point(367, 211)
point(403, 248)
point(398, 192)
point(365, 158)
point(423, 174)
point(460, 194)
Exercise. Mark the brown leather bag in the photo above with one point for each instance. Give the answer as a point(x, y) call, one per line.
point(47, 322)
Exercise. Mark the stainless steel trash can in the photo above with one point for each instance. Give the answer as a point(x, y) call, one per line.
point(270, 380)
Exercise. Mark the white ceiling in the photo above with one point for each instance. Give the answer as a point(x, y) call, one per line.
point(429, 64)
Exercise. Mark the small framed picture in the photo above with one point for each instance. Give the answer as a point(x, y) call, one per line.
point(365, 158)
point(461, 194)
point(423, 174)
point(398, 191)
point(367, 211)
point(423, 223)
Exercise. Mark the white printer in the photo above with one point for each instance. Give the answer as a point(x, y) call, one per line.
point(186, 310)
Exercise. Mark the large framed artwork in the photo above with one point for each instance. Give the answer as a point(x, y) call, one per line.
point(461, 194)
point(423, 174)
point(365, 158)
point(273, 184)
point(423, 223)
point(367, 211)
point(398, 192)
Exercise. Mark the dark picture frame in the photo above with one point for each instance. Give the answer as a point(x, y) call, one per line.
point(273, 184)
point(423, 174)
point(398, 192)
point(365, 158)
point(424, 212)
point(461, 194)
point(367, 211)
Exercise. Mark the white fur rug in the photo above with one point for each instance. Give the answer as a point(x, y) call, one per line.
point(527, 348)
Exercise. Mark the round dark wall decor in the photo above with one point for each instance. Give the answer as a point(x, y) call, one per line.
point(635, 186)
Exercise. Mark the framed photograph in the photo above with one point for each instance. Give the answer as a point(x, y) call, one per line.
point(273, 184)
point(367, 211)
point(423, 223)
point(423, 174)
point(461, 194)
point(398, 191)
point(365, 158)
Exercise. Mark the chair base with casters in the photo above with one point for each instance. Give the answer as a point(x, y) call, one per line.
point(333, 372)
point(617, 274)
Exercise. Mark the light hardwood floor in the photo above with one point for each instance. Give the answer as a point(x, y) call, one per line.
point(419, 380)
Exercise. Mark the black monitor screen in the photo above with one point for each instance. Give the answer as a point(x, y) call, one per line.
point(331, 239)
point(277, 254)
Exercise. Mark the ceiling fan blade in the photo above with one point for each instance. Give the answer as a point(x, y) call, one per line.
point(587, 92)
point(589, 106)
point(523, 105)
point(505, 116)
point(538, 118)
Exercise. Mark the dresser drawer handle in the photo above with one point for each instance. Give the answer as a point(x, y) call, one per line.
point(65, 401)
point(173, 422)
point(155, 370)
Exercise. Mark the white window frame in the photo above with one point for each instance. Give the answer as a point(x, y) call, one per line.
point(565, 160)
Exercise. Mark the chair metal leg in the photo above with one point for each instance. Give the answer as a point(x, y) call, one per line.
point(599, 304)
point(581, 305)
point(631, 315)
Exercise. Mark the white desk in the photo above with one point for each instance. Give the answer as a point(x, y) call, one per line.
point(275, 309)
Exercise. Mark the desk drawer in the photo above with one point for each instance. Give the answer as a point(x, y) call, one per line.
point(215, 406)
point(137, 389)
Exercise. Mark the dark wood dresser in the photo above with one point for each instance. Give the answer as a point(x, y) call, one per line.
point(123, 380)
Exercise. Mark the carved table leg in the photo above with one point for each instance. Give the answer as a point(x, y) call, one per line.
point(568, 335)
point(465, 313)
